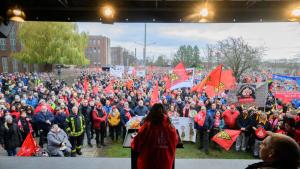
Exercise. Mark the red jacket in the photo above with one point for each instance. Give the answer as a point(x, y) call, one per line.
point(156, 145)
point(230, 118)
point(97, 120)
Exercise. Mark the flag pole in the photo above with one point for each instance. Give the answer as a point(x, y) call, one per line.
point(220, 79)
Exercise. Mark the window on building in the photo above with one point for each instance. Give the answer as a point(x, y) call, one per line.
point(5, 64)
point(15, 65)
point(13, 44)
point(95, 50)
point(94, 42)
point(98, 42)
point(26, 67)
point(2, 44)
point(35, 67)
point(98, 50)
point(12, 37)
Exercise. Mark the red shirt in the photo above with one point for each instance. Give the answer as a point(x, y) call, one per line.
point(230, 118)
point(156, 145)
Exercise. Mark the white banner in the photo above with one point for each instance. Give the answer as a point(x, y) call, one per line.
point(117, 71)
point(187, 83)
point(185, 127)
point(141, 73)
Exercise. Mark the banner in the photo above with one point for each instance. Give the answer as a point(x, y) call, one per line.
point(246, 93)
point(185, 127)
point(140, 73)
point(117, 71)
point(226, 138)
point(261, 94)
point(189, 82)
point(286, 88)
point(249, 94)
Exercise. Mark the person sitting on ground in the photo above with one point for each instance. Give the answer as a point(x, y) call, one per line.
point(278, 151)
point(58, 143)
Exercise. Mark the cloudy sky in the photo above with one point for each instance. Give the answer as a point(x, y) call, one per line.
point(282, 40)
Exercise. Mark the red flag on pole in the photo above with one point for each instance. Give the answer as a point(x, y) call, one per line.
point(85, 85)
point(109, 88)
point(29, 147)
point(226, 138)
point(179, 74)
point(95, 89)
point(213, 79)
point(168, 82)
point(154, 96)
point(228, 80)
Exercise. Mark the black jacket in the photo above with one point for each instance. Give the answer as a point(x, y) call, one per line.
point(10, 136)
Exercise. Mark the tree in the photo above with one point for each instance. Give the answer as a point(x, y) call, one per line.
point(52, 43)
point(238, 55)
point(161, 61)
point(189, 55)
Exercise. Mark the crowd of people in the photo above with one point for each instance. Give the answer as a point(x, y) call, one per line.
point(62, 116)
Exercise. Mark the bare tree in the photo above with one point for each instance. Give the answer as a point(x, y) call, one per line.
point(238, 55)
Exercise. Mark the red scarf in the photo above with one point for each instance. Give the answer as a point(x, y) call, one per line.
point(201, 118)
point(217, 121)
point(127, 114)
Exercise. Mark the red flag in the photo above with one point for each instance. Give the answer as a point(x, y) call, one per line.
point(29, 147)
point(210, 91)
point(148, 77)
point(179, 74)
point(213, 79)
point(85, 85)
point(154, 96)
point(109, 88)
point(227, 80)
point(168, 82)
point(95, 89)
point(226, 138)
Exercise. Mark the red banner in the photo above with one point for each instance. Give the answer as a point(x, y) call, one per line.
point(287, 96)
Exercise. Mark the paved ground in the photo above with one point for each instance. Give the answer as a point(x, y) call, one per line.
point(112, 163)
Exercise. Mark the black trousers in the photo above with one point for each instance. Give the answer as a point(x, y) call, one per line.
point(124, 130)
point(114, 131)
point(43, 137)
point(76, 143)
point(100, 134)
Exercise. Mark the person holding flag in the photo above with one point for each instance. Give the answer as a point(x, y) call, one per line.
point(260, 131)
point(204, 123)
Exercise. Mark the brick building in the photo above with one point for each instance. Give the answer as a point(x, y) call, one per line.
point(117, 55)
point(9, 43)
point(98, 51)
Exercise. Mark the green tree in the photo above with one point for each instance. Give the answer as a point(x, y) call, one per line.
point(161, 61)
point(189, 55)
point(238, 55)
point(52, 43)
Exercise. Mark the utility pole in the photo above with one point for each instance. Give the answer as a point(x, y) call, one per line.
point(145, 41)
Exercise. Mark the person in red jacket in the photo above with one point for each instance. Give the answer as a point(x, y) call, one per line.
point(230, 117)
point(99, 119)
point(156, 141)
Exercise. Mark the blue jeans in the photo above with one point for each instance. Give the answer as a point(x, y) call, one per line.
point(11, 152)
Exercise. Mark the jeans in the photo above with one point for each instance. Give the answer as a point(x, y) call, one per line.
point(11, 152)
point(256, 147)
point(88, 130)
point(241, 142)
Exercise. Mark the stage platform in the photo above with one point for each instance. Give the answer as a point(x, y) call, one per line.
point(112, 163)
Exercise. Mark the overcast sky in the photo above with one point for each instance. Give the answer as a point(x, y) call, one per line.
point(282, 40)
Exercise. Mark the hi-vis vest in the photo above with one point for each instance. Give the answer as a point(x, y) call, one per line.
point(75, 125)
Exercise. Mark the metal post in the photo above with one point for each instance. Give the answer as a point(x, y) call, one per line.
point(145, 41)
